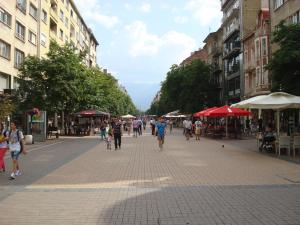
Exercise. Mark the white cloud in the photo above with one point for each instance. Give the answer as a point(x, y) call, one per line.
point(92, 11)
point(145, 43)
point(127, 6)
point(205, 12)
point(180, 19)
point(145, 7)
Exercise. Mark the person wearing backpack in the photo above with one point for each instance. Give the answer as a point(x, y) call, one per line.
point(3, 146)
point(16, 147)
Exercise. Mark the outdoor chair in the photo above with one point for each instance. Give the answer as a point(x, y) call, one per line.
point(284, 142)
point(296, 144)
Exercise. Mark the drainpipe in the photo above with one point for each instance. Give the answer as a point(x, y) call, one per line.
point(39, 28)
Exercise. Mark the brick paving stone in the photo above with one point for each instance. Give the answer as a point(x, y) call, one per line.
point(187, 183)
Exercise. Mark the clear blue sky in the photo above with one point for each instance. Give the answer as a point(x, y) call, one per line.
point(140, 40)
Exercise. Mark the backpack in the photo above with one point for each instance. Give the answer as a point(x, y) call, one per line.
point(19, 140)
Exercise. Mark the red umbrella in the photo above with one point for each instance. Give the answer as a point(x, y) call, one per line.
point(201, 113)
point(226, 111)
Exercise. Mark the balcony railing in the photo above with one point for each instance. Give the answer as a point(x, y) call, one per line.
point(234, 69)
point(235, 27)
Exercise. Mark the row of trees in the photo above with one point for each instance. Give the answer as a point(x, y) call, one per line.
point(188, 88)
point(62, 83)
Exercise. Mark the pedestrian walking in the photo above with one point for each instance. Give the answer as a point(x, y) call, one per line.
point(188, 129)
point(3, 146)
point(152, 123)
point(198, 125)
point(129, 125)
point(16, 147)
point(109, 138)
point(135, 125)
point(161, 132)
point(144, 123)
point(103, 130)
point(171, 126)
point(117, 133)
point(140, 125)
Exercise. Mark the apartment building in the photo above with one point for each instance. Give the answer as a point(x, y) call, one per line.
point(27, 26)
point(213, 45)
point(256, 55)
point(283, 10)
point(238, 21)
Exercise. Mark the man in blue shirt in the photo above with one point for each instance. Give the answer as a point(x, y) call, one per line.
point(161, 131)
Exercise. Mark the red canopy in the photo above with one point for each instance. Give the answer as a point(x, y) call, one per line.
point(201, 113)
point(225, 111)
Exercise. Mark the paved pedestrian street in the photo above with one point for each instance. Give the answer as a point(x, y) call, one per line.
point(77, 181)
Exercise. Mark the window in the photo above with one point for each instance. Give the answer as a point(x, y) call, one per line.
point(72, 14)
point(296, 17)
point(257, 49)
point(43, 39)
point(4, 50)
point(278, 3)
point(20, 31)
point(5, 17)
point(44, 16)
point(19, 58)
point(61, 15)
point(257, 76)
point(66, 22)
point(63, 1)
point(264, 49)
point(33, 11)
point(21, 4)
point(66, 39)
point(61, 34)
point(32, 37)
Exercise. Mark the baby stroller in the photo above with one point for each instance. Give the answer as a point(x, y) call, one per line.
point(268, 142)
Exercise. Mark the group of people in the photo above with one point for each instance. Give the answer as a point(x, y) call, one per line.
point(189, 127)
point(11, 140)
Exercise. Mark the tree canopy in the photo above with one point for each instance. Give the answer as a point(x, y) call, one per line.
point(285, 63)
point(61, 82)
point(187, 88)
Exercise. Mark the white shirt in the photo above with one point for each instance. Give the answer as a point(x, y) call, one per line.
point(14, 142)
point(188, 124)
point(198, 124)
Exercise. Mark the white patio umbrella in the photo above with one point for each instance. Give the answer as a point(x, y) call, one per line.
point(276, 101)
point(128, 116)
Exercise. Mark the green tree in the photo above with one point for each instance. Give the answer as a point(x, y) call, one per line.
point(187, 88)
point(6, 108)
point(285, 63)
point(61, 82)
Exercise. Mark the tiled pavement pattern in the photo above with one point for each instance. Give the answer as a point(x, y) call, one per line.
point(187, 183)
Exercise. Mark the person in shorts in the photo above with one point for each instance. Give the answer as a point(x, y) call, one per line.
point(16, 147)
point(198, 125)
point(188, 129)
point(161, 131)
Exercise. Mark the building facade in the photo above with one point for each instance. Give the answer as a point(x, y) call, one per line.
point(238, 21)
point(283, 10)
point(213, 46)
point(27, 26)
point(256, 56)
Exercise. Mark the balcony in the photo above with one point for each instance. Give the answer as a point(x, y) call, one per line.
point(224, 3)
point(53, 10)
point(234, 29)
point(234, 49)
point(233, 71)
point(233, 12)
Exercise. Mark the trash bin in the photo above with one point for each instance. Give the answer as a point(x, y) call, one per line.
point(28, 139)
